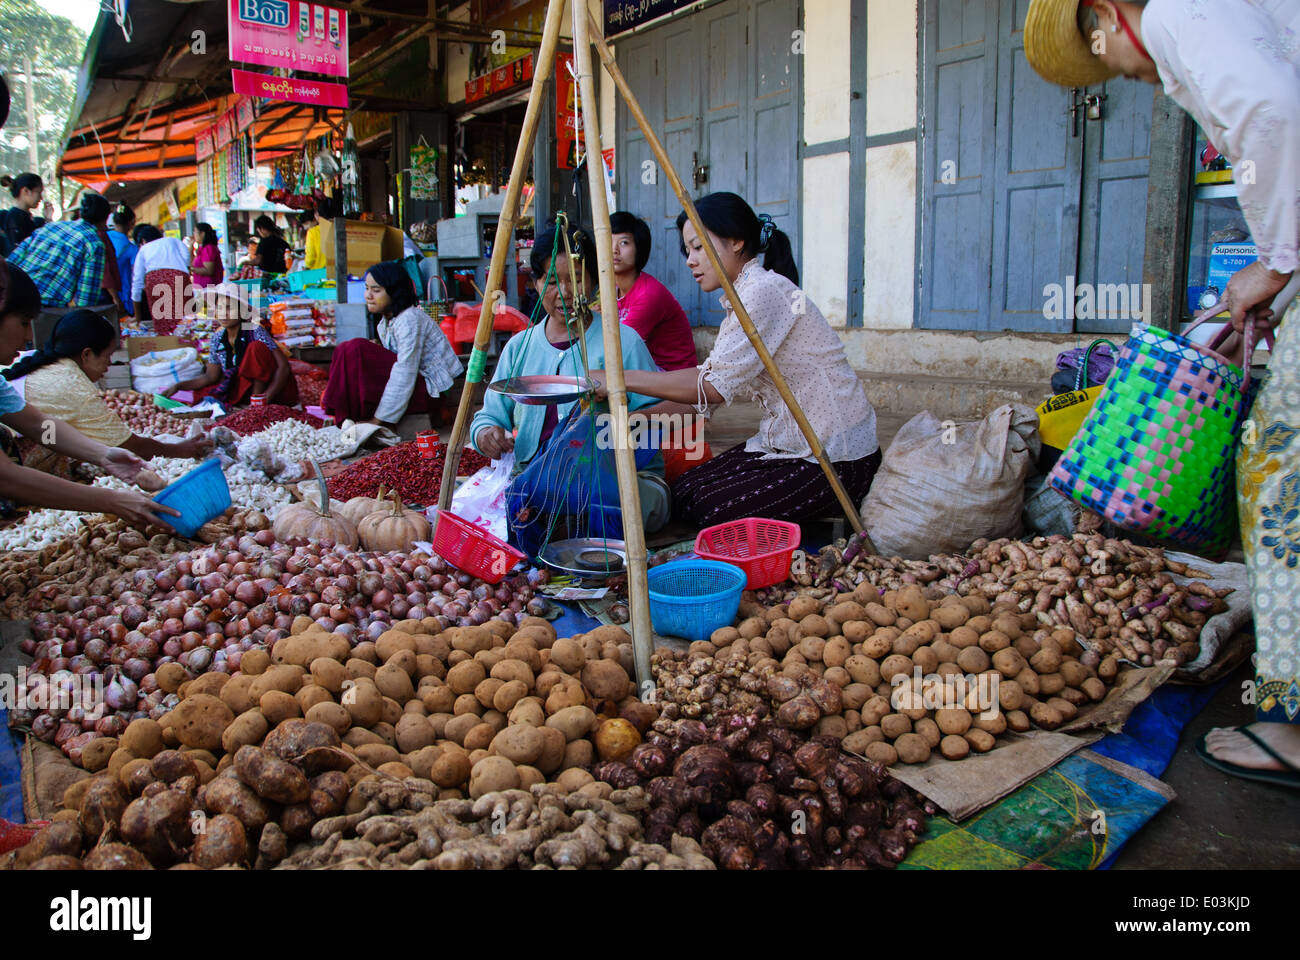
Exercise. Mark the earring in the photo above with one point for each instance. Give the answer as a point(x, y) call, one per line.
point(1114, 28)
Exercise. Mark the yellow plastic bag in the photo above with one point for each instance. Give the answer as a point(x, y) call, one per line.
point(1060, 417)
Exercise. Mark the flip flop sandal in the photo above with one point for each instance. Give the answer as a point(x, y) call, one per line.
point(1282, 778)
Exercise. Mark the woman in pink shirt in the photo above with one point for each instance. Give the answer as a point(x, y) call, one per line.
point(206, 267)
point(644, 303)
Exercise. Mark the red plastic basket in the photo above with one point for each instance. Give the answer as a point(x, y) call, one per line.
point(473, 549)
point(762, 548)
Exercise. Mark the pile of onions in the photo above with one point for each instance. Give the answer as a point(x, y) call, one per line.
point(205, 609)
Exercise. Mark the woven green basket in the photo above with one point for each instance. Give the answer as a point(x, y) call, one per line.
point(1156, 454)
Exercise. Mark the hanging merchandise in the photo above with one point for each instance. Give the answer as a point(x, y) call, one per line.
point(306, 174)
point(424, 171)
point(351, 175)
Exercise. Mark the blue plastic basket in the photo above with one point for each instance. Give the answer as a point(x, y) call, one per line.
point(300, 279)
point(692, 598)
point(201, 495)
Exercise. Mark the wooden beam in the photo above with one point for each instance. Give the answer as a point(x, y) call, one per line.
point(163, 153)
point(1169, 187)
point(277, 123)
point(365, 66)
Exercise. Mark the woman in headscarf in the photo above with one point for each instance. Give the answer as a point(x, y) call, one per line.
point(1234, 65)
point(244, 361)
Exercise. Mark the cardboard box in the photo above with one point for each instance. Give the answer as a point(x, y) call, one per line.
point(139, 346)
point(368, 243)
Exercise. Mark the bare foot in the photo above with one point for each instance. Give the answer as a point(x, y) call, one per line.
point(1232, 747)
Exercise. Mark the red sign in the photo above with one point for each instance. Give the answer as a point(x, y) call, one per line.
point(203, 148)
point(514, 74)
point(318, 93)
point(289, 34)
point(568, 119)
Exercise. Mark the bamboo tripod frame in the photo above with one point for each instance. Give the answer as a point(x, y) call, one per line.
point(587, 31)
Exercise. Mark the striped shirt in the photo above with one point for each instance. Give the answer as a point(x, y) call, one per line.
point(66, 262)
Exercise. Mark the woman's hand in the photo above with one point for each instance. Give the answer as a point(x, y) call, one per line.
point(138, 510)
point(602, 387)
point(195, 448)
point(494, 442)
point(170, 390)
point(1253, 287)
point(122, 464)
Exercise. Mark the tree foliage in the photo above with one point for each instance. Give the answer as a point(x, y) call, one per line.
point(55, 46)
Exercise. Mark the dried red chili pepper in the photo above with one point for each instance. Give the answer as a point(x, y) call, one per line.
point(256, 419)
point(403, 468)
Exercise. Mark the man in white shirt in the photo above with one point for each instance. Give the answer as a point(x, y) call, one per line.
point(159, 253)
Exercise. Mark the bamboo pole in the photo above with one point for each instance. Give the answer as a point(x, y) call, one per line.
point(505, 228)
point(624, 457)
point(661, 156)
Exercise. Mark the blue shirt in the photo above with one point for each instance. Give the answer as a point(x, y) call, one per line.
point(126, 251)
point(66, 262)
point(529, 352)
point(10, 401)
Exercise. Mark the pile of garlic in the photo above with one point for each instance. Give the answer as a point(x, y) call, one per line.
point(294, 440)
point(40, 529)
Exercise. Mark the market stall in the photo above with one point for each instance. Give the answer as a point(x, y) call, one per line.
point(330, 664)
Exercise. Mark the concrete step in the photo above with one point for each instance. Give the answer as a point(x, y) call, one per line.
point(948, 398)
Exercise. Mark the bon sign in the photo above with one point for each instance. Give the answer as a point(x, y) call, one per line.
point(290, 34)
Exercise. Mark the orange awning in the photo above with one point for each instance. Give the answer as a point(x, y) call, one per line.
point(160, 145)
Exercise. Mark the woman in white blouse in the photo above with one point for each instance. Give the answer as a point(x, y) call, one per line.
point(410, 365)
point(1234, 65)
point(774, 474)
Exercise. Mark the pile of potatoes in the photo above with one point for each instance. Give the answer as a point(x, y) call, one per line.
point(831, 665)
point(471, 710)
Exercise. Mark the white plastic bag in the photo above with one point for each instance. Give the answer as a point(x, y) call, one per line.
point(482, 498)
point(944, 485)
point(156, 371)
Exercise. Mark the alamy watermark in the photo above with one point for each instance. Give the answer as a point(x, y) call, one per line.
point(1104, 301)
point(976, 693)
point(57, 693)
point(179, 298)
point(651, 432)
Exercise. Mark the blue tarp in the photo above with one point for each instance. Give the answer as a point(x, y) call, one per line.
point(11, 790)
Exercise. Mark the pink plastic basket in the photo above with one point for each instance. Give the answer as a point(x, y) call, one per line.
point(762, 548)
point(473, 549)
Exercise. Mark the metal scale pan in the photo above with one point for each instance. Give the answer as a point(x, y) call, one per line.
point(544, 390)
point(590, 558)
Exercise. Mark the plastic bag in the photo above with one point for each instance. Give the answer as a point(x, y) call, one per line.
point(942, 486)
point(259, 456)
point(481, 500)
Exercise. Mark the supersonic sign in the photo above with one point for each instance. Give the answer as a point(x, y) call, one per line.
point(289, 34)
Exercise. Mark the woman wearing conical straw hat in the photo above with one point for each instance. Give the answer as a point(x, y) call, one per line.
point(1234, 65)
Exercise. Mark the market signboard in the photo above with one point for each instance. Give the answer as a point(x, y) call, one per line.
point(289, 34)
point(500, 79)
point(569, 147)
point(624, 15)
point(317, 93)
